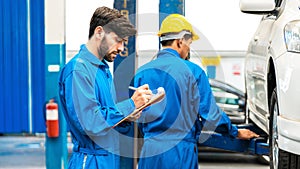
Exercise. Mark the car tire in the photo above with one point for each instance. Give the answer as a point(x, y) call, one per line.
point(279, 159)
point(273, 132)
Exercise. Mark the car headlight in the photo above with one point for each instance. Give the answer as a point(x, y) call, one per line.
point(292, 36)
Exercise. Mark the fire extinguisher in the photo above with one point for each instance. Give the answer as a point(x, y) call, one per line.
point(52, 123)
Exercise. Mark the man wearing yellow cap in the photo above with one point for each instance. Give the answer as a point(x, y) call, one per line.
point(172, 127)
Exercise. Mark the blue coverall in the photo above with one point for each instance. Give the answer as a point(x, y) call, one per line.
point(171, 128)
point(87, 97)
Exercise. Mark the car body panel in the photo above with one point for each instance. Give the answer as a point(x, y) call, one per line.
point(267, 48)
point(289, 135)
point(288, 71)
point(256, 72)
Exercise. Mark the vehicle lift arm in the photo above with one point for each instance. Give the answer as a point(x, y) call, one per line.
point(255, 146)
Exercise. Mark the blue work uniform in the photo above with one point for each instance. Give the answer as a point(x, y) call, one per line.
point(172, 127)
point(87, 97)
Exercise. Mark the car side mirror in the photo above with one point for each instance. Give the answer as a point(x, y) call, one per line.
point(257, 6)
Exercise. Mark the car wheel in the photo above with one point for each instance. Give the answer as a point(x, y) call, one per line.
point(273, 139)
point(279, 159)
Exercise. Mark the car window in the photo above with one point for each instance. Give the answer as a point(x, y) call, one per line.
point(224, 97)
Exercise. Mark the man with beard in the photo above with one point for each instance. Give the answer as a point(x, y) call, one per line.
point(87, 93)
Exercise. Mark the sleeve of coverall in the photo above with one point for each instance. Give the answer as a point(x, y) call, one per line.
point(91, 116)
point(125, 106)
point(213, 118)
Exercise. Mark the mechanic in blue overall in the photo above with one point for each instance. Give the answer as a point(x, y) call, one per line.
point(171, 128)
point(87, 93)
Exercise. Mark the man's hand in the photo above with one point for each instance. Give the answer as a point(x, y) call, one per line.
point(246, 134)
point(141, 96)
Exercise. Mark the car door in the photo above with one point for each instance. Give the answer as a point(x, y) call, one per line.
point(256, 72)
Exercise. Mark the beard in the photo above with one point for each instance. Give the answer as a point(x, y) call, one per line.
point(110, 57)
point(104, 51)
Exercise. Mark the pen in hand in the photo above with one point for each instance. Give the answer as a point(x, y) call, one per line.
point(132, 88)
point(154, 99)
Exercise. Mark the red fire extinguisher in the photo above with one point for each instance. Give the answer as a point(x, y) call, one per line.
point(52, 119)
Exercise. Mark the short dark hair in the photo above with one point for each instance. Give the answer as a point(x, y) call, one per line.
point(169, 42)
point(112, 21)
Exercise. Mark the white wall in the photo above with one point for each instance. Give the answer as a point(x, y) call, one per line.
point(147, 24)
point(221, 22)
point(78, 15)
point(54, 22)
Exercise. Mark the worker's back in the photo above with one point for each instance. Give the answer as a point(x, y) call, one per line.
point(169, 126)
point(173, 118)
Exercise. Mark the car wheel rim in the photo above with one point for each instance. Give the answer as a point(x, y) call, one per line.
point(275, 148)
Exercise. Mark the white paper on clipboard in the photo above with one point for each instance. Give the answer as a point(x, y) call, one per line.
point(154, 99)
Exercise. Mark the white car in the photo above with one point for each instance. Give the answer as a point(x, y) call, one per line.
point(272, 78)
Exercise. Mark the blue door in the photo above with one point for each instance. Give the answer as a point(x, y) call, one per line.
point(22, 92)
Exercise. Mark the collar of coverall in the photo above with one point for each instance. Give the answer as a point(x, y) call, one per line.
point(172, 36)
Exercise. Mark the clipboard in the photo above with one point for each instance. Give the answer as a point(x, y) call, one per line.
point(154, 99)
